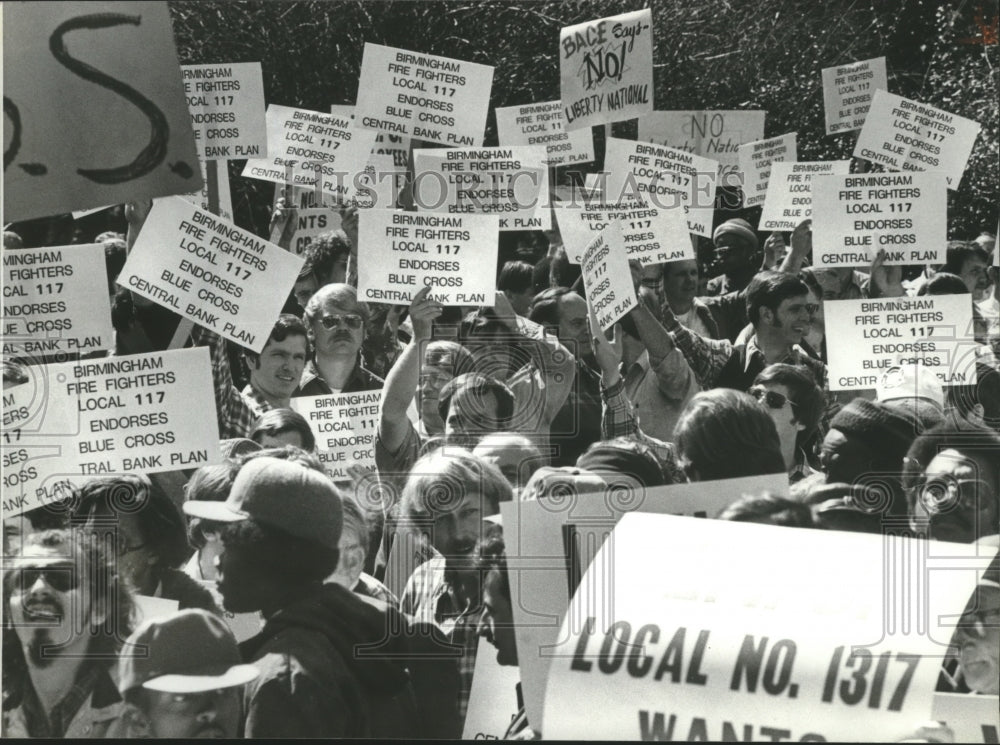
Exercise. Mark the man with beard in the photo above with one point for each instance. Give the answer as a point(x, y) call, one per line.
point(67, 617)
point(736, 247)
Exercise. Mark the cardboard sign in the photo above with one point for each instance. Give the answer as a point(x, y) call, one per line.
point(150, 608)
point(76, 420)
point(544, 124)
point(606, 69)
point(972, 718)
point(398, 148)
point(504, 181)
point(651, 235)
point(344, 426)
point(423, 96)
point(848, 92)
point(714, 134)
point(211, 272)
point(663, 177)
point(759, 648)
point(227, 109)
point(856, 215)
point(874, 335)
point(55, 300)
point(316, 146)
point(310, 223)
point(607, 277)
point(548, 538)
point(404, 251)
point(200, 198)
point(94, 107)
point(905, 135)
point(755, 163)
point(493, 698)
point(789, 192)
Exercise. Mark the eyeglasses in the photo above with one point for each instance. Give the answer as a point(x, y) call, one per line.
point(772, 399)
point(944, 493)
point(61, 577)
point(352, 320)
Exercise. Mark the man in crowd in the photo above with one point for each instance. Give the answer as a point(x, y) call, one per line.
point(795, 404)
point(970, 262)
point(736, 247)
point(680, 286)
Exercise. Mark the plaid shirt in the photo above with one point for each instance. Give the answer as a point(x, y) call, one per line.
point(93, 681)
point(237, 412)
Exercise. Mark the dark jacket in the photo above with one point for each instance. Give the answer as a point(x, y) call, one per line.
point(175, 585)
point(360, 379)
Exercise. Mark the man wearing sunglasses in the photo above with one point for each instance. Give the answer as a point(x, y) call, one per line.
point(795, 404)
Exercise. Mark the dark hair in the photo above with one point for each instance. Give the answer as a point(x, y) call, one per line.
point(959, 252)
point(288, 559)
point(625, 455)
point(286, 325)
point(207, 484)
point(278, 421)
point(288, 452)
point(449, 355)
point(544, 309)
point(479, 386)
point(561, 272)
point(967, 438)
point(515, 276)
point(491, 556)
point(768, 290)
point(115, 253)
point(769, 509)
point(943, 283)
point(805, 394)
point(321, 255)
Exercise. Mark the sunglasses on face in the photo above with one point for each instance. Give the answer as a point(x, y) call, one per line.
point(352, 320)
point(944, 493)
point(772, 399)
point(61, 578)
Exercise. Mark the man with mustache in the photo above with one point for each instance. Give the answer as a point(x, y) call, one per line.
point(67, 617)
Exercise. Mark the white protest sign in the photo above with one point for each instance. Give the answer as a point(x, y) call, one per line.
point(396, 147)
point(151, 608)
point(848, 91)
point(789, 191)
point(607, 277)
point(874, 335)
point(210, 271)
point(315, 145)
point(905, 135)
point(200, 198)
point(310, 223)
point(505, 181)
point(344, 426)
point(663, 177)
point(606, 69)
point(756, 648)
point(972, 718)
point(544, 124)
point(94, 107)
point(55, 300)
point(76, 420)
point(715, 134)
point(545, 540)
point(80, 214)
point(652, 235)
point(404, 251)
point(423, 96)
point(856, 215)
point(493, 697)
point(227, 109)
point(380, 183)
point(755, 164)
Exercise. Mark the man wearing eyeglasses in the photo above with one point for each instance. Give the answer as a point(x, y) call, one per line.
point(336, 322)
point(795, 404)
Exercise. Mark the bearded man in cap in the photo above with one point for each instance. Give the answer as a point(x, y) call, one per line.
point(736, 246)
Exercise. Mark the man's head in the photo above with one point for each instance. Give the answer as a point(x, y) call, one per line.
point(276, 371)
point(565, 311)
point(516, 282)
point(515, 455)
point(792, 398)
point(336, 321)
point(496, 624)
point(969, 261)
point(977, 637)
point(623, 463)
point(778, 305)
point(182, 677)
point(279, 427)
point(832, 282)
point(353, 546)
point(472, 405)
point(327, 257)
point(735, 245)
point(443, 360)
point(680, 282)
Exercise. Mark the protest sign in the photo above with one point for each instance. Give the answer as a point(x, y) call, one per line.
point(755, 164)
point(663, 177)
point(396, 147)
point(607, 277)
point(86, 134)
point(200, 198)
point(379, 183)
point(874, 335)
point(856, 215)
point(76, 420)
point(971, 718)
point(315, 145)
point(80, 214)
point(715, 134)
point(848, 92)
point(344, 425)
point(493, 698)
point(789, 191)
point(423, 96)
point(504, 181)
point(547, 538)
point(759, 647)
point(55, 300)
point(152, 608)
point(905, 135)
point(652, 235)
point(227, 109)
point(211, 272)
point(544, 124)
point(310, 223)
point(404, 251)
point(606, 69)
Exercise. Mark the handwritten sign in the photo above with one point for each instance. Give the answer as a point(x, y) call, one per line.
point(848, 91)
point(53, 301)
point(423, 96)
point(663, 177)
point(344, 426)
point(544, 124)
point(755, 163)
point(874, 335)
point(905, 135)
point(200, 198)
point(404, 251)
point(77, 420)
point(606, 69)
point(756, 649)
point(311, 223)
point(210, 271)
point(227, 109)
point(714, 134)
point(94, 107)
point(607, 277)
point(398, 148)
point(789, 191)
point(855, 215)
point(652, 235)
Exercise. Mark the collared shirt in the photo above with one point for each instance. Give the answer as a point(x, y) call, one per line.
point(93, 681)
point(801, 469)
point(360, 379)
point(659, 394)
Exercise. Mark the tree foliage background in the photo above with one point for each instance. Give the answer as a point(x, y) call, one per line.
point(709, 54)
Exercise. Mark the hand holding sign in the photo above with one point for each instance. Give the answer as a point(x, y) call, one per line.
point(423, 312)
